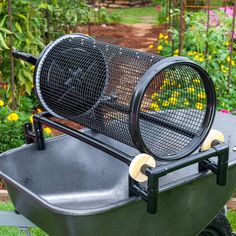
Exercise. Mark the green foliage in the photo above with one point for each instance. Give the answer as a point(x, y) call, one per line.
point(27, 104)
point(172, 93)
point(216, 58)
point(11, 128)
point(11, 124)
point(27, 31)
point(105, 16)
point(231, 216)
point(35, 23)
point(134, 15)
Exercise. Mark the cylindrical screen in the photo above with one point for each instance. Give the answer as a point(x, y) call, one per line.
point(161, 106)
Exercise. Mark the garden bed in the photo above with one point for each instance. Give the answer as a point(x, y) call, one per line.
point(137, 36)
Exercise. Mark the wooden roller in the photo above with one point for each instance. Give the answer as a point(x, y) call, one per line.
point(214, 135)
point(135, 168)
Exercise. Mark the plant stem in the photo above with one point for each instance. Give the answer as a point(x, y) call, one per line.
point(11, 57)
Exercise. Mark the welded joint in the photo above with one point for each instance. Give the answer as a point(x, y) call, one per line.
point(221, 167)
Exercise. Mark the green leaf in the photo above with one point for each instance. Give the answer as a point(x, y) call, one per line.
point(3, 20)
point(18, 27)
point(3, 43)
point(22, 17)
point(6, 31)
point(43, 6)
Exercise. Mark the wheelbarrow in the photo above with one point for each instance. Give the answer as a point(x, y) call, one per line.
point(136, 169)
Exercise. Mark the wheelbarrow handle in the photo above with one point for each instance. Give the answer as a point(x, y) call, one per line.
point(25, 56)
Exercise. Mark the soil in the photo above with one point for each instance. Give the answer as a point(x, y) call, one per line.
point(136, 36)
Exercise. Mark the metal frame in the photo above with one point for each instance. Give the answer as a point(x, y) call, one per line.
point(149, 194)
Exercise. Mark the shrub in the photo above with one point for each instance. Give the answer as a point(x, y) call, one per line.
point(215, 59)
point(11, 126)
point(35, 23)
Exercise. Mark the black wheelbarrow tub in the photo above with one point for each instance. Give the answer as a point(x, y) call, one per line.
point(74, 189)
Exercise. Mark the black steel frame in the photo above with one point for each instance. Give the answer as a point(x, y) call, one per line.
point(34, 134)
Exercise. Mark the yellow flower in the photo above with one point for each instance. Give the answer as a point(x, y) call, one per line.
point(1, 103)
point(166, 37)
point(186, 102)
point(175, 94)
point(233, 63)
point(47, 130)
point(201, 59)
point(227, 44)
point(13, 117)
point(5, 86)
point(228, 58)
point(196, 57)
point(191, 90)
point(195, 53)
point(198, 81)
point(155, 106)
point(165, 104)
point(166, 81)
point(224, 69)
point(175, 55)
point(31, 118)
point(161, 36)
point(177, 51)
point(173, 100)
point(159, 47)
point(201, 95)
point(154, 96)
point(39, 110)
point(199, 106)
point(190, 54)
point(151, 46)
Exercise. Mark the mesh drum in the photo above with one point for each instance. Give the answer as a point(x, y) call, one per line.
point(161, 106)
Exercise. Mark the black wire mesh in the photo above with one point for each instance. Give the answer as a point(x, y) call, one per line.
point(173, 110)
point(93, 83)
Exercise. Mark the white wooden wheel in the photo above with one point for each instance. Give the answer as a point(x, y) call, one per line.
point(136, 165)
point(212, 136)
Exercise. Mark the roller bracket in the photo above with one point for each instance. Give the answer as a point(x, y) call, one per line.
point(35, 135)
point(221, 167)
point(29, 133)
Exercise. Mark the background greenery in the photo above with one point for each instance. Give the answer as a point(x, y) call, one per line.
point(215, 59)
point(35, 24)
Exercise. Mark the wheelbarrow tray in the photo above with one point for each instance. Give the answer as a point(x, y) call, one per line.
point(72, 188)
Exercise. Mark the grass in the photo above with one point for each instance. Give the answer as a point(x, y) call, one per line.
point(135, 14)
point(130, 15)
point(231, 216)
point(14, 231)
